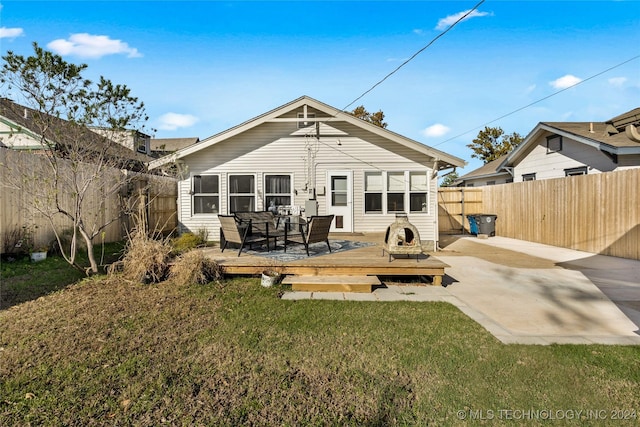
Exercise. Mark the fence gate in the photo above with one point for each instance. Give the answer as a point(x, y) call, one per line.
point(454, 204)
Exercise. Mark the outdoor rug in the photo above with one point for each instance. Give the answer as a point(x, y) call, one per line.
point(297, 252)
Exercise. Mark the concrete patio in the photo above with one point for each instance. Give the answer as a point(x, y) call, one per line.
point(527, 293)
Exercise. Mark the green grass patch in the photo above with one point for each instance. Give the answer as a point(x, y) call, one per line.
point(107, 352)
point(23, 280)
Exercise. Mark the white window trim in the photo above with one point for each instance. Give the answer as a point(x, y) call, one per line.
point(230, 194)
point(193, 194)
point(264, 187)
point(407, 192)
point(381, 192)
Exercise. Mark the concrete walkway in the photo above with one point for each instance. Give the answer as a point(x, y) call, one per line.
point(527, 293)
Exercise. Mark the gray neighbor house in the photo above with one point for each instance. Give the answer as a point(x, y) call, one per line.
point(560, 149)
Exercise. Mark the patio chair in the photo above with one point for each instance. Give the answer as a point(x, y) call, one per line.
point(237, 233)
point(314, 231)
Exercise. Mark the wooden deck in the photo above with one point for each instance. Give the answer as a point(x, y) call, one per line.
point(367, 261)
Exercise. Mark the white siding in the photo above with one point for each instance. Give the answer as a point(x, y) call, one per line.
point(18, 140)
point(270, 148)
point(552, 165)
point(480, 182)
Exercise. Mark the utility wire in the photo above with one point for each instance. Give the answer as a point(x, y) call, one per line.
point(539, 100)
point(414, 55)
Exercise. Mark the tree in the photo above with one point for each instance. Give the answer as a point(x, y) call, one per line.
point(492, 143)
point(62, 109)
point(449, 179)
point(375, 118)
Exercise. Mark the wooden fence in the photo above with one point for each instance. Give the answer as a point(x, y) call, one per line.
point(598, 213)
point(25, 178)
point(454, 204)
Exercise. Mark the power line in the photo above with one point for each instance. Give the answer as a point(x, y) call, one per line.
point(414, 55)
point(539, 100)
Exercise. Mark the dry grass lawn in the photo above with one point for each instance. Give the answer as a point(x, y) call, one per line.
point(108, 352)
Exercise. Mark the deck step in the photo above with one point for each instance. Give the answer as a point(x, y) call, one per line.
point(332, 283)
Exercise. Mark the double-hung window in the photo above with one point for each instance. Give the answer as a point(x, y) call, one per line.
point(395, 191)
point(418, 191)
point(373, 189)
point(206, 194)
point(277, 190)
point(242, 193)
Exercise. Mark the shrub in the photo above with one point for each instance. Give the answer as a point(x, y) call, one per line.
point(12, 240)
point(194, 267)
point(65, 239)
point(146, 260)
point(186, 241)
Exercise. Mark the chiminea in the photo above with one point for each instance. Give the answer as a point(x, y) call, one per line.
point(402, 238)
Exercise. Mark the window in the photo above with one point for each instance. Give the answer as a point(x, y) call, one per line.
point(141, 143)
point(339, 191)
point(582, 170)
point(373, 192)
point(206, 194)
point(395, 191)
point(304, 124)
point(491, 183)
point(529, 177)
point(554, 143)
point(242, 193)
point(277, 190)
point(418, 192)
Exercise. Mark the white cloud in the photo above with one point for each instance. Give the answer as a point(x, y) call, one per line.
point(173, 121)
point(530, 89)
point(565, 81)
point(87, 45)
point(617, 81)
point(444, 23)
point(435, 131)
point(418, 31)
point(10, 33)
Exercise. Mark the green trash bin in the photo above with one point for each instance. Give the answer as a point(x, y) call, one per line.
point(486, 224)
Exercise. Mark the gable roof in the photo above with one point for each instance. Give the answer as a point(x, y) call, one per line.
point(333, 114)
point(611, 136)
point(26, 120)
point(491, 169)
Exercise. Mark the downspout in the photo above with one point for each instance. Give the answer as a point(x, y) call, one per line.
point(436, 241)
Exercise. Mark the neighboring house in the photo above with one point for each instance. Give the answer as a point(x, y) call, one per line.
point(21, 129)
point(163, 146)
point(309, 155)
point(489, 174)
point(131, 139)
point(560, 149)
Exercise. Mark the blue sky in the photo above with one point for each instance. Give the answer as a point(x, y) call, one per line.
point(201, 67)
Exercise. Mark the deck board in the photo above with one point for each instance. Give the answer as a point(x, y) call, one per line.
point(332, 283)
point(367, 261)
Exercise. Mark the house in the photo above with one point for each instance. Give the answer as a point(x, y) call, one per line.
point(560, 149)
point(307, 155)
point(163, 146)
point(132, 139)
point(490, 173)
point(23, 128)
